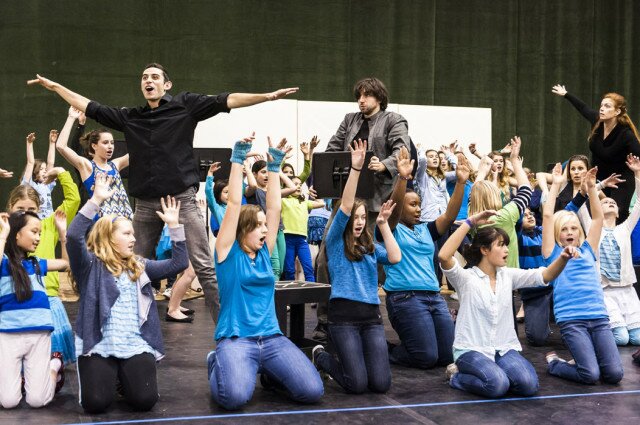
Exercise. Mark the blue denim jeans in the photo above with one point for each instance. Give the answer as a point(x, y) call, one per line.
point(236, 361)
point(363, 360)
point(624, 336)
point(478, 374)
point(297, 246)
point(426, 330)
point(537, 313)
point(594, 349)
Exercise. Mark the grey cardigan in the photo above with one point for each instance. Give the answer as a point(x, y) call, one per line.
point(97, 286)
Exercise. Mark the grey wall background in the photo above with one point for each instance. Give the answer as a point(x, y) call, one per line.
point(502, 54)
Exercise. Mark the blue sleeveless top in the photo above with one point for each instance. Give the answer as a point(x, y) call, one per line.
point(118, 204)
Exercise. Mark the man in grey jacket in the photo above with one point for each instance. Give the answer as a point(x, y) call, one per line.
point(386, 132)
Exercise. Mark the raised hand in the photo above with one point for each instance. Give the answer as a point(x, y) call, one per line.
point(60, 220)
point(633, 162)
point(5, 228)
point(358, 153)
point(4, 174)
point(170, 211)
point(463, 170)
point(279, 94)
point(31, 137)
point(313, 195)
point(515, 145)
point(82, 118)
point(314, 143)
point(590, 178)
point(613, 180)
point(213, 168)
point(53, 136)
point(376, 165)
point(52, 174)
point(44, 82)
point(75, 113)
point(557, 176)
point(385, 212)
point(102, 188)
point(404, 163)
point(558, 89)
point(482, 217)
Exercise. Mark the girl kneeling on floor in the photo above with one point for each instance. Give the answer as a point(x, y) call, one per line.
point(118, 333)
point(25, 318)
point(249, 340)
point(578, 298)
point(355, 322)
point(486, 347)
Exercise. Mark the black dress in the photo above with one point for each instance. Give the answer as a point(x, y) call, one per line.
point(610, 154)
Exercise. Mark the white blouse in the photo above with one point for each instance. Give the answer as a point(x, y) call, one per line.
point(485, 318)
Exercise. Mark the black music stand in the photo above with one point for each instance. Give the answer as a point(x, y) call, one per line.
point(207, 156)
point(330, 172)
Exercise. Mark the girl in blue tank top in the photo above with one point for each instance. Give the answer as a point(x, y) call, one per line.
point(577, 294)
point(99, 145)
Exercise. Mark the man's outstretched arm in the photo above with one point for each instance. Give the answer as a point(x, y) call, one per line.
point(240, 100)
point(74, 99)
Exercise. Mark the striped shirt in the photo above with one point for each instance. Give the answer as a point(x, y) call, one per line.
point(33, 314)
point(121, 336)
point(609, 256)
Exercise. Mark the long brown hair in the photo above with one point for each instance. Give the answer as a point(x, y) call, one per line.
point(101, 244)
point(356, 248)
point(15, 255)
point(247, 221)
point(619, 102)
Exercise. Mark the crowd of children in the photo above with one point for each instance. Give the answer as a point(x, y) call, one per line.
point(562, 239)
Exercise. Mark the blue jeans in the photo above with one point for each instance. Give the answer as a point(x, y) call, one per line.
point(236, 361)
point(363, 360)
point(478, 374)
point(426, 330)
point(297, 246)
point(624, 336)
point(537, 313)
point(594, 349)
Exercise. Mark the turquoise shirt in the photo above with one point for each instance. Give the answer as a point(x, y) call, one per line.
point(577, 293)
point(247, 295)
point(415, 272)
point(352, 280)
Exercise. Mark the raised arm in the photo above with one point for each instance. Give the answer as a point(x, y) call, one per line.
point(208, 187)
point(520, 175)
point(80, 163)
point(633, 162)
point(453, 207)
point(289, 186)
point(394, 255)
point(554, 269)
point(240, 100)
point(597, 216)
point(74, 99)
point(179, 260)
point(27, 176)
point(445, 256)
point(548, 237)
point(5, 174)
point(274, 199)
point(62, 264)
point(357, 162)
point(585, 111)
point(51, 154)
point(252, 184)
point(404, 165)
point(307, 149)
point(5, 228)
point(474, 151)
point(227, 232)
point(484, 169)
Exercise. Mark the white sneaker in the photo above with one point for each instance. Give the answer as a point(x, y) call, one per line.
point(452, 369)
point(552, 356)
point(315, 352)
point(167, 293)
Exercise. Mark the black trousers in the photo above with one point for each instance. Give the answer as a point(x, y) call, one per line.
point(98, 377)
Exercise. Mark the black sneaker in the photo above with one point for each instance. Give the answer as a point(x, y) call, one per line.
point(320, 334)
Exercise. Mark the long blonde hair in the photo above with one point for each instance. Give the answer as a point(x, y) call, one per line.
point(100, 242)
point(484, 196)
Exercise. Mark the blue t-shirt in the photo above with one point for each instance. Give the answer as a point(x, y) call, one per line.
point(247, 295)
point(33, 314)
point(463, 213)
point(577, 294)
point(352, 280)
point(415, 272)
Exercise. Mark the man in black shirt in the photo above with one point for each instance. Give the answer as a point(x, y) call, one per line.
point(159, 139)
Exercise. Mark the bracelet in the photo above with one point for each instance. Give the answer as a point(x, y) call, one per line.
point(356, 169)
point(404, 178)
point(469, 223)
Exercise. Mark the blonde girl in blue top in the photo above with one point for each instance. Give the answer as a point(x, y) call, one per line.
point(578, 297)
point(25, 318)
